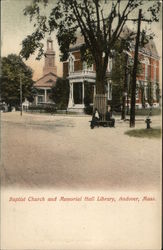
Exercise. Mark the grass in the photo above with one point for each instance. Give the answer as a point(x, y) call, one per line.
point(147, 133)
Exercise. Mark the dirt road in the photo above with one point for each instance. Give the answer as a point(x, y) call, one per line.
point(63, 152)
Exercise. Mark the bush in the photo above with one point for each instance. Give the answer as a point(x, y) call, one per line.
point(47, 108)
point(154, 111)
point(60, 93)
point(88, 110)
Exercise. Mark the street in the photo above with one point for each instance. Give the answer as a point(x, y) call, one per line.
point(62, 152)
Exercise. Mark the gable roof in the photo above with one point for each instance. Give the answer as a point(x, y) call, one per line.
point(50, 73)
point(47, 80)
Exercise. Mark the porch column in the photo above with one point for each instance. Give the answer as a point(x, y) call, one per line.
point(94, 90)
point(83, 92)
point(45, 95)
point(71, 96)
point(36, 99)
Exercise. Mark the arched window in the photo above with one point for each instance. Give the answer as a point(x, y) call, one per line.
point(71, 63)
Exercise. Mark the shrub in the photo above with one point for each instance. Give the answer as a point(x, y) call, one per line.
point(88, 109)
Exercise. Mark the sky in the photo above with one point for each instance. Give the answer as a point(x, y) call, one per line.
point(15, 27)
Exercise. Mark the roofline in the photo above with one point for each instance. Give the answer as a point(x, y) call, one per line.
point(46, 75)
point(76, 48)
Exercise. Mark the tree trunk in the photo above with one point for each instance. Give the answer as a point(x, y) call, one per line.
point(123, 115)
point(100, 80)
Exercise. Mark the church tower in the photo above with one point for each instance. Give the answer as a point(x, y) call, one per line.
point(49, 66)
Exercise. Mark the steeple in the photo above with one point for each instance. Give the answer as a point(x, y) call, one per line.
point(49, 65)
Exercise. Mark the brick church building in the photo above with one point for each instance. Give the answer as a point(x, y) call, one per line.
point(44, 84)
point(79, 74)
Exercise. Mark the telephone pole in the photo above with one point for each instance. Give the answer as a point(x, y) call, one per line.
point(123, 115)
point(133, 90)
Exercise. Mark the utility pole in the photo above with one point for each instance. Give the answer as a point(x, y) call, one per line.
point(133, 90)
point(21, 96)
point(123, 117)
point(128, 83)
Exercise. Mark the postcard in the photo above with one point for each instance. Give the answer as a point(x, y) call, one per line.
point(81, 148)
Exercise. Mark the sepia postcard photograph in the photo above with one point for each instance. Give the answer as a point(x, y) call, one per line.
point(81, 125)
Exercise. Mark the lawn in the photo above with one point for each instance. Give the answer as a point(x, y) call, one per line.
point(148, 133)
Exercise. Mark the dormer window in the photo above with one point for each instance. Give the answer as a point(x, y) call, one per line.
point(71, 63)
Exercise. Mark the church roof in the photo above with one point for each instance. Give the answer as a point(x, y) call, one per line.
point(47, 80)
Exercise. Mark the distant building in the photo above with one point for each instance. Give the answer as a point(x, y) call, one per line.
point(44, 84)
point(79, 73)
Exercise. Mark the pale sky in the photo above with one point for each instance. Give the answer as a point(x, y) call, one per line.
point(15, 27)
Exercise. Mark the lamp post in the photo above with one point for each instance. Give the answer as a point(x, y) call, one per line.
point(20, 96)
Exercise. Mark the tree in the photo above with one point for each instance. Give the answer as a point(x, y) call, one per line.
point(100, 22)
point(60, 93)
point(150, 94)
point(122, 72)
point(118, 78)
point(88, 97)
point(13, 68)
point(142, 91)
point(158, 92)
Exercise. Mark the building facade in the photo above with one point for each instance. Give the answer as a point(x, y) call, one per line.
point(44, 84)
point(80, 75)
point(149, 75)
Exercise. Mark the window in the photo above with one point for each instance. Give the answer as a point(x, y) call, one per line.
point(84, 65)
point(145, 92)
point(154, 73)
point(137, 89)
point(40, 98)
point(71, 63)
point(146, 61)
point(109, 91)
point(90, 67)
point(154, 91)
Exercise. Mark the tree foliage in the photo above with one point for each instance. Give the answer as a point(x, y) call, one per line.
point(100, 22)
point(13, 70)
point(60, 93)
point(122, 69)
